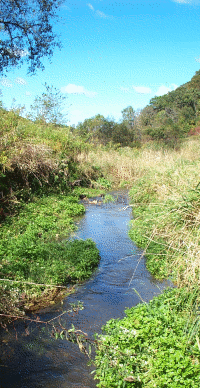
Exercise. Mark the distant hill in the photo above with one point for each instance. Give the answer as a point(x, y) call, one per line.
point(173, 116)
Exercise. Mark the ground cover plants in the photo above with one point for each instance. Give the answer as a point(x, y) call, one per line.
point(153, 346)
point(34, 248)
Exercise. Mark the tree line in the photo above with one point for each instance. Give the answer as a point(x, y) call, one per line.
point(167, 119)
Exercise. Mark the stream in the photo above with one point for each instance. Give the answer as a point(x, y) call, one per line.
point(38, 360)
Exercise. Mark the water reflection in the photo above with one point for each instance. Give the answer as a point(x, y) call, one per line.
point(38, 361)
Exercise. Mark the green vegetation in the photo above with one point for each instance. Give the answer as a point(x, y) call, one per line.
point(169, 118)
point(27, 33)
point(153, 346)
point(35, 254)
point(108, 198)
point(38, 159)
point(30, 245)
point(41, 180)
point(105, 131)
point(48, 107)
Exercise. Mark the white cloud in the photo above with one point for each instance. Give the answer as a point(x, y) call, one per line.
point(99, 13)
point(20, 81)
point(6, 82)
point(142, 89)
point(165, 89)
point(28, 94)
point(102, 14)
point(90, 6)
point(77, 89)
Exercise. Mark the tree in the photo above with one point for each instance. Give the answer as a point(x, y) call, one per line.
point(26, 33)
point(48, 107)
point(122, 135)
point(128, 116)
point(92, 129)
point(130, 120)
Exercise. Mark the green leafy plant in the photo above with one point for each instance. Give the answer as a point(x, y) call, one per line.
point(34, 246)
point(149, 347)
point(104, 183)
point(108, 198)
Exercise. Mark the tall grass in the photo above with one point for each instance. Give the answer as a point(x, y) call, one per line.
point(130, 164)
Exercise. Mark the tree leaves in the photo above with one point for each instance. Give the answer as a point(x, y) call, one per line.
point(26, 32)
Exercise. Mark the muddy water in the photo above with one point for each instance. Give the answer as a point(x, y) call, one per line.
point(39, 361)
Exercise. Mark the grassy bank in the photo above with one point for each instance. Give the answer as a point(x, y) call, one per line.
point(34, 253)
point(41, 181)
point(157, 344)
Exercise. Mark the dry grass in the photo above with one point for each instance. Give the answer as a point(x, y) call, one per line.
point(33, 159)
point(129, 165)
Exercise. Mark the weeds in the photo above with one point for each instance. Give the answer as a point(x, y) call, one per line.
point(150, 346)
point(108, 198)
point(34, 246)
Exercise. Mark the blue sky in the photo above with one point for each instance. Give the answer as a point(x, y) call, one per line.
point(114, 54)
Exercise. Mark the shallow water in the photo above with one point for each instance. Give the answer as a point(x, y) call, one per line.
point(40, 361)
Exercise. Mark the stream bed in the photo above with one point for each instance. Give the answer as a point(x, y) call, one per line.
point(37, 360)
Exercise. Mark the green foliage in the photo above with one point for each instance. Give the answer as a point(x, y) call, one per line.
point(90, 128)
point(48, 108)
point(170, 133)
point(40, 161)
point(27, 33)
point(103, 183)
point(32, 246)
point(128, 116)
point(170, 117)
point(151, 347)
point(108, 198)
point(105, 131)
point(123, 134)
point(88, 192)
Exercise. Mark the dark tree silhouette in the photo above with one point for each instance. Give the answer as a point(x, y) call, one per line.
point(26, 32)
